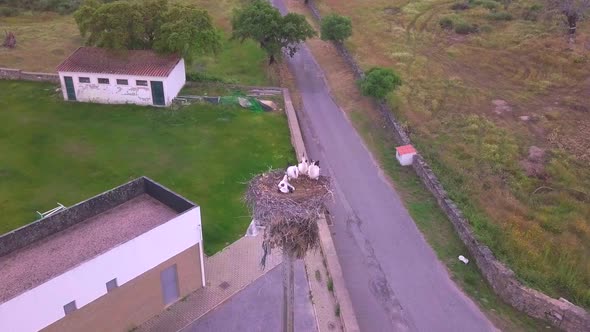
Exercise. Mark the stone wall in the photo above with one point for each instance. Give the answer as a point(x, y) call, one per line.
point(276, 89)
point(17, 74)
point(560, 313)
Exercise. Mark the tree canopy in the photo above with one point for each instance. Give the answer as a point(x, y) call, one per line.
point(573, 10)
point(336, 28)
point(149, 24)
point(379, 81)
point(263, 23)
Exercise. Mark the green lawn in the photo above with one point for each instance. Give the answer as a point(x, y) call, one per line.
point(243, 63)
point(54, 151)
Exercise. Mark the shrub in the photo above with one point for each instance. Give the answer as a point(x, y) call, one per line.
point(532, 13)
point(336, 28)
point(500, 16)
point(379, 82)
point(8, 11)
point(65, 6)
point(460, 6)
point(464, 28)
point(485, 28)
point(488, 4)
point(580, 59)
point(446, 23)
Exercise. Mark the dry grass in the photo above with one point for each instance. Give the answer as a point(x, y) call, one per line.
point(43, 41)
point(450, 82)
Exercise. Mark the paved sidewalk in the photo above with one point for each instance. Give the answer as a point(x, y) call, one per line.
point(227, 272)
point(258, 307)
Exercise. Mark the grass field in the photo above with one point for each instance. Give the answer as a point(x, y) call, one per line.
point(45, 39)
point(55, 151)
point(539, 225)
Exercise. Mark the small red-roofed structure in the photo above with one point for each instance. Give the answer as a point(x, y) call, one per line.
point(405, 154)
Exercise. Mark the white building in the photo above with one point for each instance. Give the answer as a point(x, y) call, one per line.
point(106, 264)
point(142, 77)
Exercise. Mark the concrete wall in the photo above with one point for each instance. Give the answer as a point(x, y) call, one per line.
point(560, 313)
point(113, 93)
point(17, 74)
point(87, 282)
point(135, 302)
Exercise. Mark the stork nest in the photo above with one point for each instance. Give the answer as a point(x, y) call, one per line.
point(290, 220)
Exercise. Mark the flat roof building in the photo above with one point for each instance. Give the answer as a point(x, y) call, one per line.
point(108, 263)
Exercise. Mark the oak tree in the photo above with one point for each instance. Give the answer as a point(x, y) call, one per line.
point(149, 24)
point(336, 28)
point(263, 23)
point(378, 82)
point(573, 10)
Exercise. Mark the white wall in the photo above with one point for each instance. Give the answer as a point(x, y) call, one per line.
point(110, 93)
point(43, 305)
point(174, 82)
point(113, 93)
point(405, 159)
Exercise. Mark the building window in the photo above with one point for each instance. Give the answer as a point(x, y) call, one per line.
point(141, 83)
point(169, 282)
point(103, 81)
point(84, 79)
point(111, 285)
point(70, 307)
point(122, 82)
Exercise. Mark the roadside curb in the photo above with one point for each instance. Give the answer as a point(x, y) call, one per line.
point(347, 315)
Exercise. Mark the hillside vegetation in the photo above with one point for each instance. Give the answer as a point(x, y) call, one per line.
point(45, 38)
point(496, 100)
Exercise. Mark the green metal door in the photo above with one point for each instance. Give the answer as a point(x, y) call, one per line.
point(70, 90)
point(158, 93)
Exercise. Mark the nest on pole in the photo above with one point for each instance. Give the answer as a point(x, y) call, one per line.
point(289, 220)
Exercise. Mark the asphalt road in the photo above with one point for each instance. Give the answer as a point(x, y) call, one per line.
point(258, 307)
point(395, 281)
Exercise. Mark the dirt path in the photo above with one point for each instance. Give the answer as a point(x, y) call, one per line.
point(394, 278)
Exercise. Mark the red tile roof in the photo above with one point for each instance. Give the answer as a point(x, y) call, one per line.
point(125, 62)
point(405, 149)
